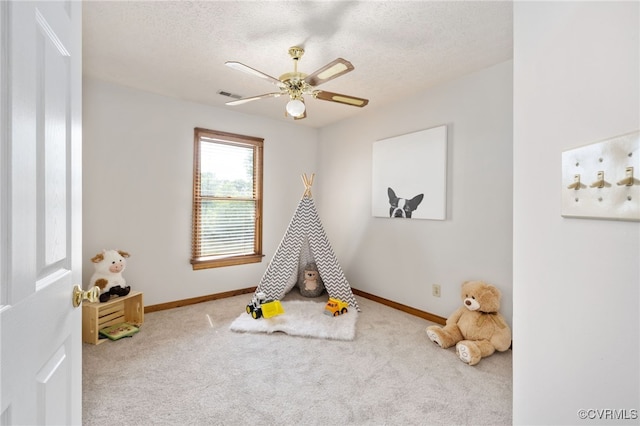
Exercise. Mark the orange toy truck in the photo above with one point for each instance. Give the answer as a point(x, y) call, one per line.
point(335, 307)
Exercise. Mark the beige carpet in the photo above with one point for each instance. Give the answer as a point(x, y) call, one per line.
point(186, 367)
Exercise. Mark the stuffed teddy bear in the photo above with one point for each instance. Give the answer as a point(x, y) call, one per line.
point(476, 328)
point(108, 274)
point(310, 283)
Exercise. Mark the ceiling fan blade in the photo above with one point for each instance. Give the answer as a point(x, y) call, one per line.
point(343, 99)
point(247, 69)
point(254, 98)
point(329, 72)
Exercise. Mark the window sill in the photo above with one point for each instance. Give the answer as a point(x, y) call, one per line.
point(218, 262)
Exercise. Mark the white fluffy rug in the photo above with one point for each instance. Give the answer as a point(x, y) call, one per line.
point(301, 318)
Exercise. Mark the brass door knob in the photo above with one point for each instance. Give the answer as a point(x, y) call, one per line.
point(92, 295)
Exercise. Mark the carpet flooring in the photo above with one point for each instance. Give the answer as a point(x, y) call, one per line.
point(186, 367)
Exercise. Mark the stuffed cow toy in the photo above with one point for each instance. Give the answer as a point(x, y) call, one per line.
point(476, 328)
point(108, 274)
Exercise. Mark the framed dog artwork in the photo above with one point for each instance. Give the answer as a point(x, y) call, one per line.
point(410, 175)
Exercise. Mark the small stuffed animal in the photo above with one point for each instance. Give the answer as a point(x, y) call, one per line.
point(477, 328)
point(108, 274)
point(310, 282)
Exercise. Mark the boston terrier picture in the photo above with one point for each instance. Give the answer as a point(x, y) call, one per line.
point(401, 207)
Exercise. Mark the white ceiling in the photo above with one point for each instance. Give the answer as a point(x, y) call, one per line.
point(178, 48)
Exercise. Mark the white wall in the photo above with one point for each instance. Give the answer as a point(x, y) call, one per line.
point(138, 169)
point(400, 259)
point(576, 281)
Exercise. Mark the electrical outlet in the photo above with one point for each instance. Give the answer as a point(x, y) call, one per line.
point(435, 290)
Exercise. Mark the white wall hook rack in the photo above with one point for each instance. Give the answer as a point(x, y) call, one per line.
point(615, 158)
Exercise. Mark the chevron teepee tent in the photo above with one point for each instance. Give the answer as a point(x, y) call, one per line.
point(305, 241)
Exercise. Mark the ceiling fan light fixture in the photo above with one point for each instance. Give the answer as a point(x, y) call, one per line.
point(295, 108)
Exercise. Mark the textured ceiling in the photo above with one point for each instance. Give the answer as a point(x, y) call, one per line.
point(398, 48)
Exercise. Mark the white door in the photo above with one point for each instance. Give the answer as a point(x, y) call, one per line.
point(40, 221)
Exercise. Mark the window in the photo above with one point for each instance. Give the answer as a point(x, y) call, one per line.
point(227, 199)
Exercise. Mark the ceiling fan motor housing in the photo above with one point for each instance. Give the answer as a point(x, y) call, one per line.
point(295, 84)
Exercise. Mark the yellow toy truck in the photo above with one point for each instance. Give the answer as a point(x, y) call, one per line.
point(335, 307)
point(260, 307)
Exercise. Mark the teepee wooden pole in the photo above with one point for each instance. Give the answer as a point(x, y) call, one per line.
point(307, 184)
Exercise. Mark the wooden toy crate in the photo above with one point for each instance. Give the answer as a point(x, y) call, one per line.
point(97, 315)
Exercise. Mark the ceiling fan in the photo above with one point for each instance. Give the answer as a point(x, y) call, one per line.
point(296, 84)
